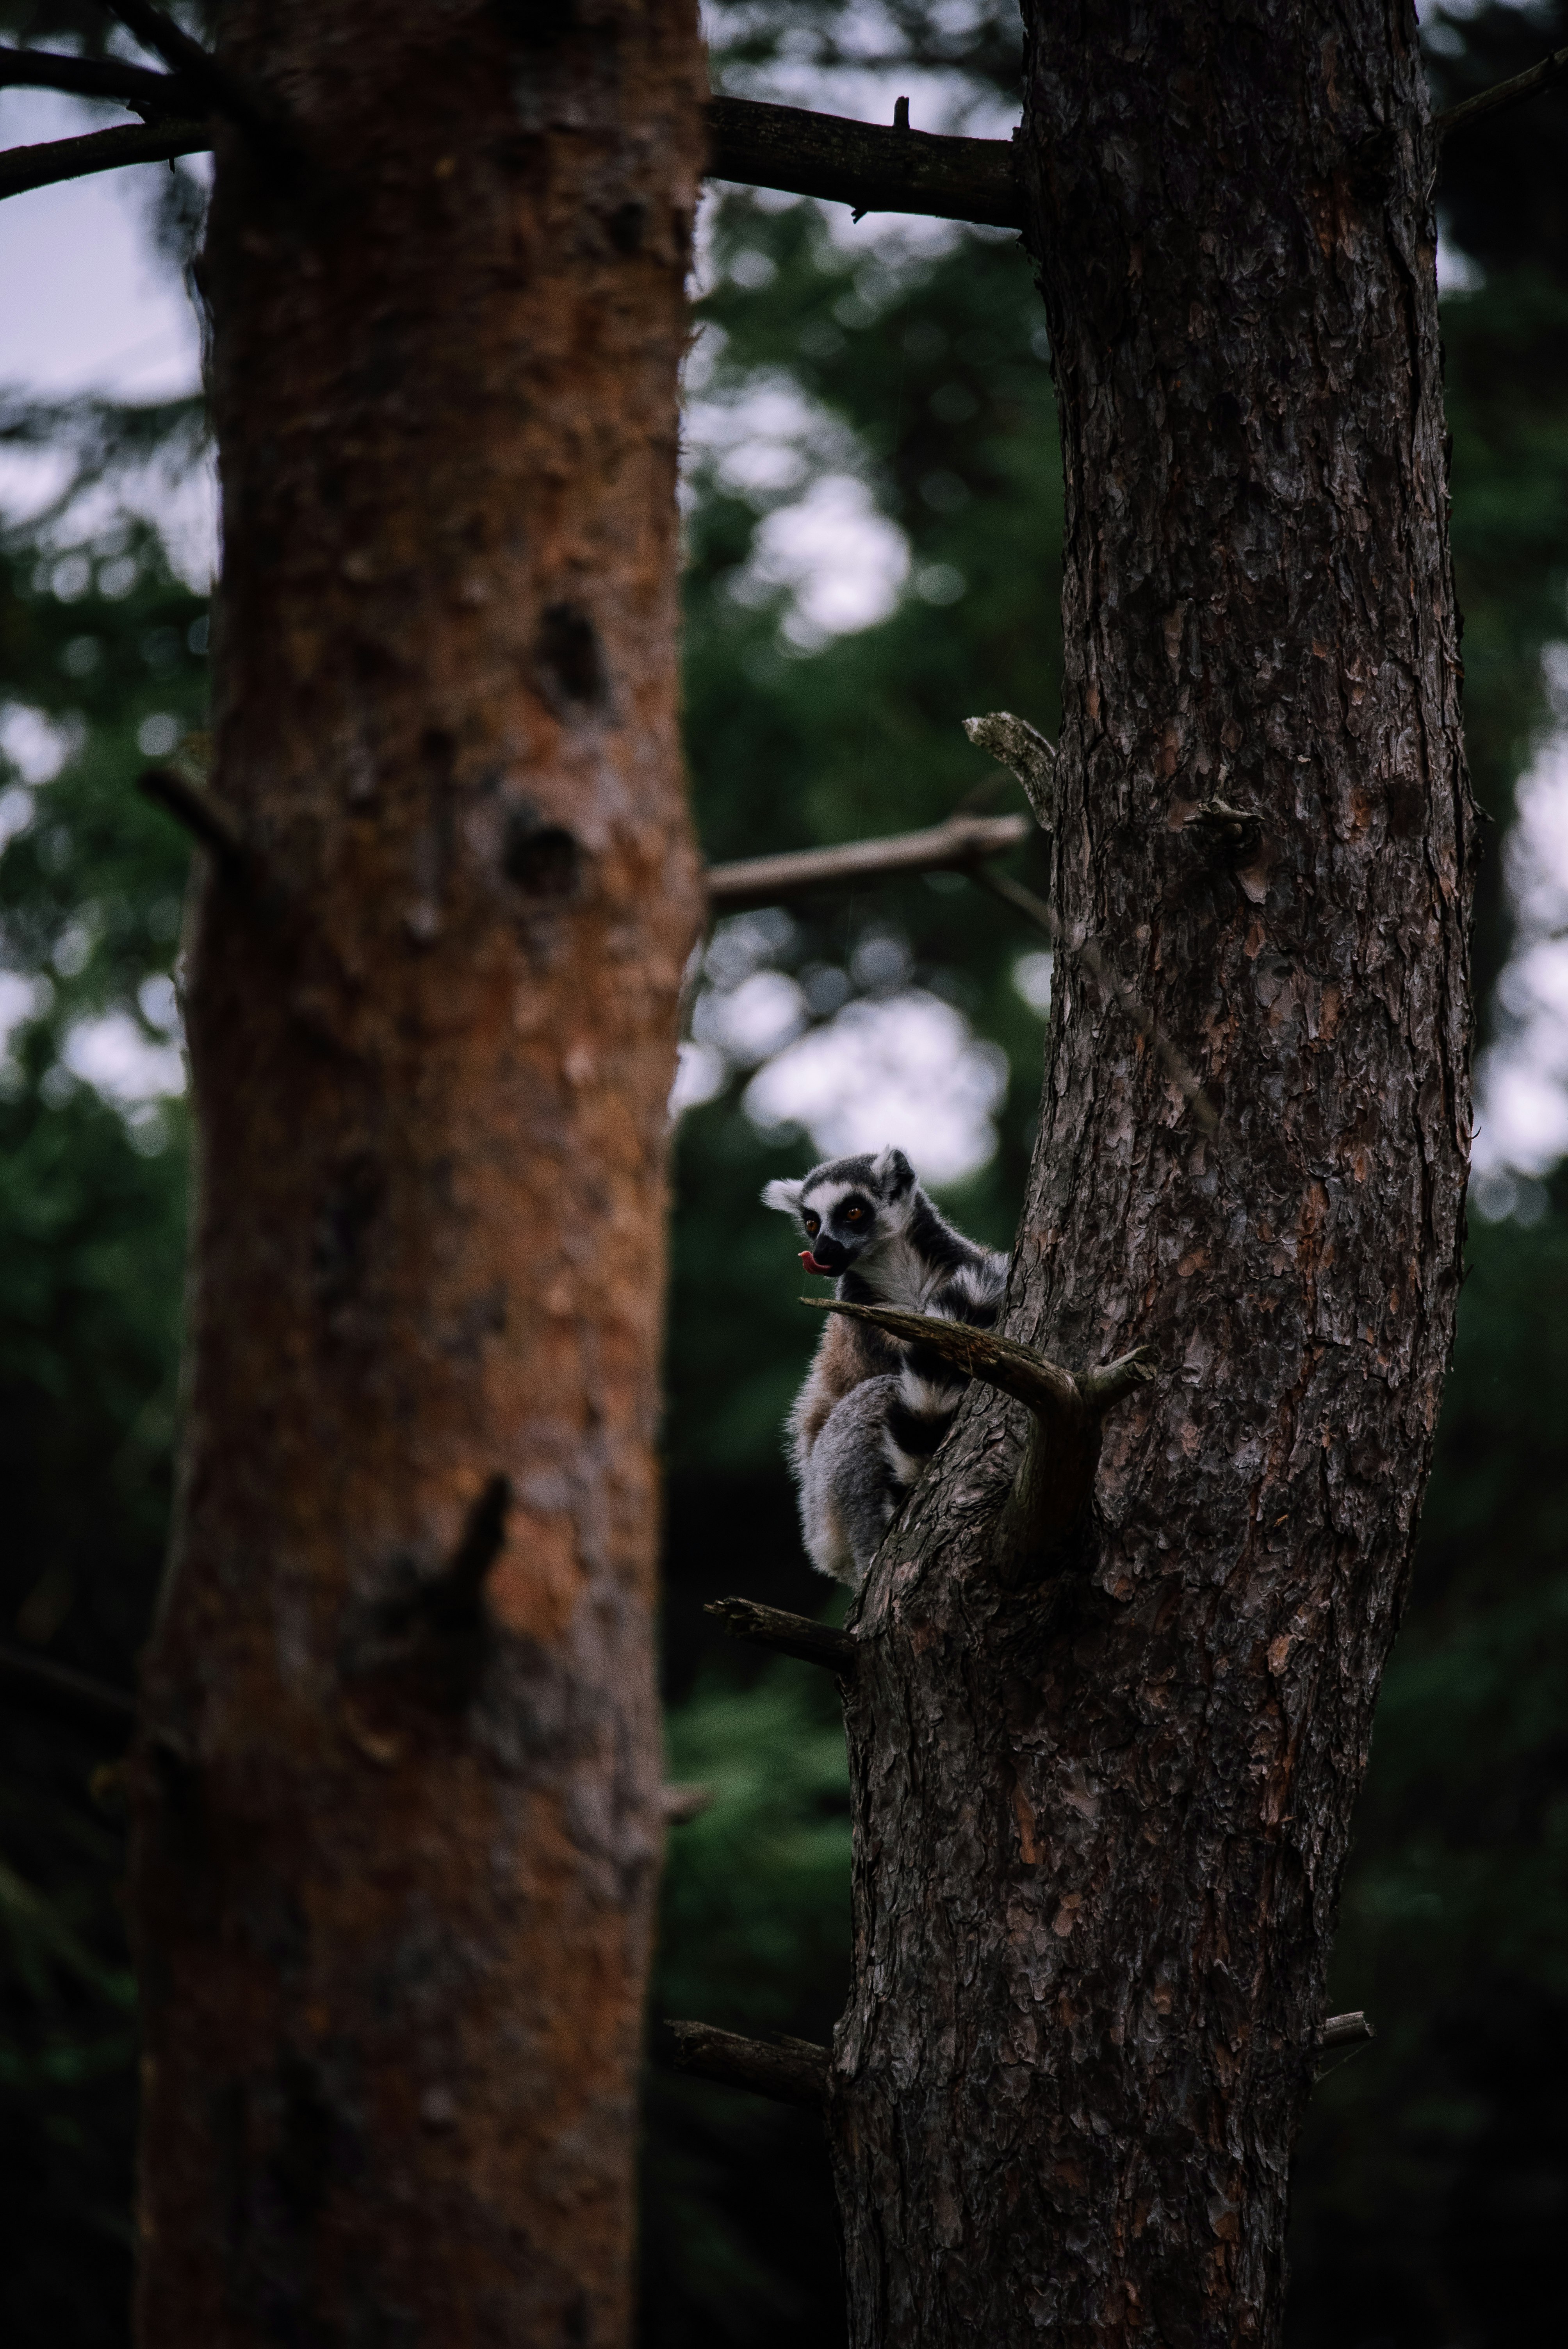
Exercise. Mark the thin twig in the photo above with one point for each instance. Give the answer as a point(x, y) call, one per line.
point(955, 846)
point(207, 820)
point(787, 1635)
point(864, 164)
point(790, 2071)
point(154, 94)
point(1503, 94)
point(254, 110)
point(21, 168)
point(37, 1684)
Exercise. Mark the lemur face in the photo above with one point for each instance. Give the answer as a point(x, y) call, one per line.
point(847, 1207)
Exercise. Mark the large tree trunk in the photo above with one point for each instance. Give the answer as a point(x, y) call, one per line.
point(1103, 1778)
point(398, 1824)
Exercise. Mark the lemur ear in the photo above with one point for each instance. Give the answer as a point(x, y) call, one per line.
point(894, 1173)
point(785, 1196)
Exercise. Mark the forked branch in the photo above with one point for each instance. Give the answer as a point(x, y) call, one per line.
point(1056, 1475)
point(223, 92)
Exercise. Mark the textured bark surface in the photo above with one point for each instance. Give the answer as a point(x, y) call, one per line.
point(1101, 1819)
point(398, 1792)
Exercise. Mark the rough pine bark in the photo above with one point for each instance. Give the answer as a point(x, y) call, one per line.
point(1102, 1804)
point(397, 1787)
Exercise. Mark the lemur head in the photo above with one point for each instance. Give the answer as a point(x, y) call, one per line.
point(848, 1208)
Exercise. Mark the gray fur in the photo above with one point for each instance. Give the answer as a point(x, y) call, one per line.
point(872, 1410)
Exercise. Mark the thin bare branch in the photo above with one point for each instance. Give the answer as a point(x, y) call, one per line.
point(152, 94)
point(1503, 95)
point(36, 1684)
point(861, 165)
point(955, 846)
point(791, 2071)
point(787, 1635)
point(207, 820)
point(21, 168)
point(254, 110)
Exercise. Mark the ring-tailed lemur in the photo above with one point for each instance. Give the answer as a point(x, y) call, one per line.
point(872, 1410)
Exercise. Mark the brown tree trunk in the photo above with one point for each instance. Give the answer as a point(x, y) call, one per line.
point(1103, 1777)
point(398, 1827)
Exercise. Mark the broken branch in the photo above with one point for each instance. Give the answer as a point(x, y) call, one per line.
point(862, 164)
point(791, 2071)
point(21, 168)
point(1014, 744)
point(1533, 83)
point(787, 1635)
point(955, 846)
point(1343, 2036)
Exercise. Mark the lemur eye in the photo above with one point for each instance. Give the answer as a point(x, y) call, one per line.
point(813, 1226)
point(854, 1215)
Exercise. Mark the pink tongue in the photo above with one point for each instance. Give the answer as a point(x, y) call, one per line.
point(810, 1261)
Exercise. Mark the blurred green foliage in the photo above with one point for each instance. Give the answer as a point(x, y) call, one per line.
point(1433, 2175)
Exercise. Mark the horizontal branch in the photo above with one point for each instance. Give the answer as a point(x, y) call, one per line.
point(787, 1635)
point(37, 1684)
point(1533, 83)
point(955, 846)
point(1346, 2031)
point(862, 164)
point(787, 147)
point(21, 168)
point(791, 2071)
point(144, 91)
